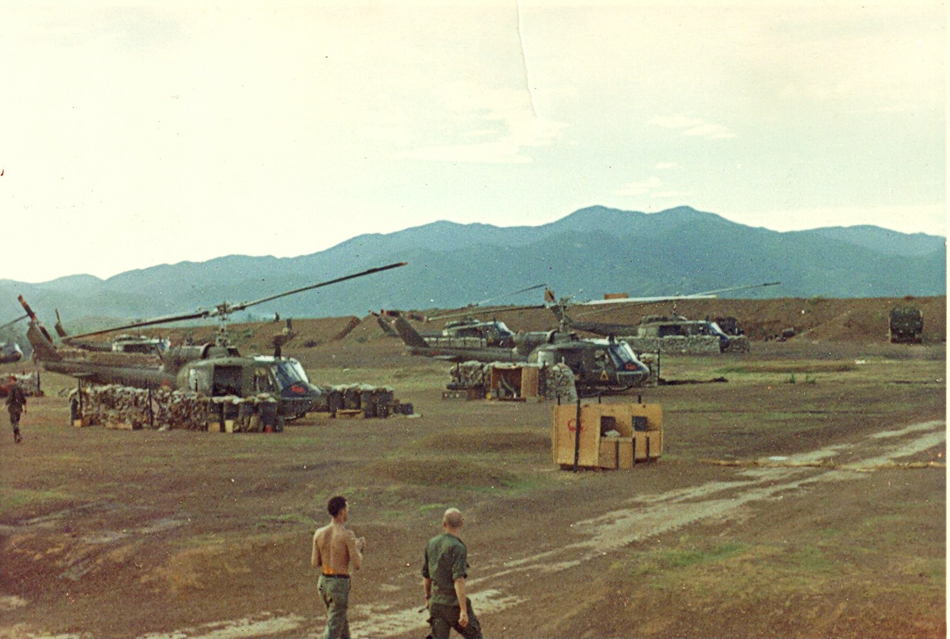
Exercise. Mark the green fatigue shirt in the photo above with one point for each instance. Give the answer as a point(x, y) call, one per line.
point(446, 560)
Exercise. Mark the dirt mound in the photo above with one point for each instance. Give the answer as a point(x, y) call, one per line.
point(862, 320)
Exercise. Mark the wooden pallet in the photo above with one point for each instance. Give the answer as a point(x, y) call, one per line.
point(463, 393)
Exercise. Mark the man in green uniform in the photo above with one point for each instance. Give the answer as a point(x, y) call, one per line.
point(16, 404)
point(443, 576)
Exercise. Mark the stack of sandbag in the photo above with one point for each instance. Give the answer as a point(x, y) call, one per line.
point(133, 408)
point(650, 360)
point(470, 375)
point(559, 383)
point(370, 401)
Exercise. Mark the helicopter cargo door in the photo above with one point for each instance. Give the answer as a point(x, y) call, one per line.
point(226, 380)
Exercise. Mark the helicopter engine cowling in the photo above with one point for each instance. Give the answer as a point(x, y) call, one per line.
point(178, 356)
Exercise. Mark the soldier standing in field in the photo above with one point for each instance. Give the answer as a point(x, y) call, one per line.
point(335, 549)
point(16, 404)
point(444, 571)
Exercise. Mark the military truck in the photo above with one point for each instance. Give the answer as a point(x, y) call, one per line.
point(906, 325)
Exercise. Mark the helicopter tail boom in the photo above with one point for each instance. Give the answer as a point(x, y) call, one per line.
point(40, 340)
point(408, 334)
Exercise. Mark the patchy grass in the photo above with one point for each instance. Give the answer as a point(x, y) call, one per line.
point(782, 368)
point(12, 498)
point(513, 441)
point(440, 472)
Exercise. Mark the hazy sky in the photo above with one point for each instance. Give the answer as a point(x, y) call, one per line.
point(141, 133)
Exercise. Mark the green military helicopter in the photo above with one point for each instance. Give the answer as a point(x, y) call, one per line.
point(212, 369)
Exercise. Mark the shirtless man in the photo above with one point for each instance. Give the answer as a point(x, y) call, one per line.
point(335, 548)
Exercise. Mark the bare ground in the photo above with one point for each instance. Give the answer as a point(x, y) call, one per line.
point(785, 504)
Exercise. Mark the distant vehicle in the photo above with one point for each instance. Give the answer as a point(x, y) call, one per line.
point(906, 325)
point(678, 326)
point(10, 351)
point(494, 332)
point(212, 369)
point(561, 307)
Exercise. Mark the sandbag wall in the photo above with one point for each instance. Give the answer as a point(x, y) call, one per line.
point(133, 408)
point(692, 345)
point(553, 381)
point(363, 400)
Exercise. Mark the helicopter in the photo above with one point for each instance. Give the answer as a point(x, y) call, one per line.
point(10, 351)
point(493, 332)
point(599, 365)
point(210, 369)
point(651, 326)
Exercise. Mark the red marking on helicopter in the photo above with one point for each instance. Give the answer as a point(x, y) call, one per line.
point(572, 425)
point(298, 389)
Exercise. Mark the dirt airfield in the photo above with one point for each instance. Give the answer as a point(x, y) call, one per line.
point(804, 497)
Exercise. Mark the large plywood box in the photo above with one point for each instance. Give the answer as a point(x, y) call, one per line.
point(513, 381)
point(648, 446)
point(565, 434)
point(609, 435)
point(529, 381)
point(625, 457)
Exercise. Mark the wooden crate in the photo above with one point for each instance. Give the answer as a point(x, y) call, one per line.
point(597, 450)
point(524, 379)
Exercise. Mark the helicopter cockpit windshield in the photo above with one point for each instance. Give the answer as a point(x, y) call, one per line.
point(622, 356)
point(289, 372)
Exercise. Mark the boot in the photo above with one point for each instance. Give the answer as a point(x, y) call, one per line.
point(17, 438)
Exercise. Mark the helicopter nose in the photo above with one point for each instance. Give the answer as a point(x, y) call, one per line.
point(300, 398)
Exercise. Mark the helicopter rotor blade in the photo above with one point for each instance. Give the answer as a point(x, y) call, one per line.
point(19, 319)
point(244, 305)
point(167, 319)
point(498, 297)
point(471, 312)
point(471, 307)
point(225, 308)
point(672, 298)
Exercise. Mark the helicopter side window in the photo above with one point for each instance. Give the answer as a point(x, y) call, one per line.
point(227, 380)
point(600, 357)
point(199, 380)
point(669, 330)
point(262, 381)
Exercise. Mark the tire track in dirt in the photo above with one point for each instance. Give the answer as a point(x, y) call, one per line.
point(640, 518)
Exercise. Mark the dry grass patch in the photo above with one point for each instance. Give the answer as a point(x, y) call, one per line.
point(516, 441)
point(441, 472)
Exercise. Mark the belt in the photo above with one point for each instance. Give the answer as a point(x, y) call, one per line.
point(336, 576)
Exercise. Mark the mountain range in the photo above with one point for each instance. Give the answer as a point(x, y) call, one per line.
point(588, 253)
